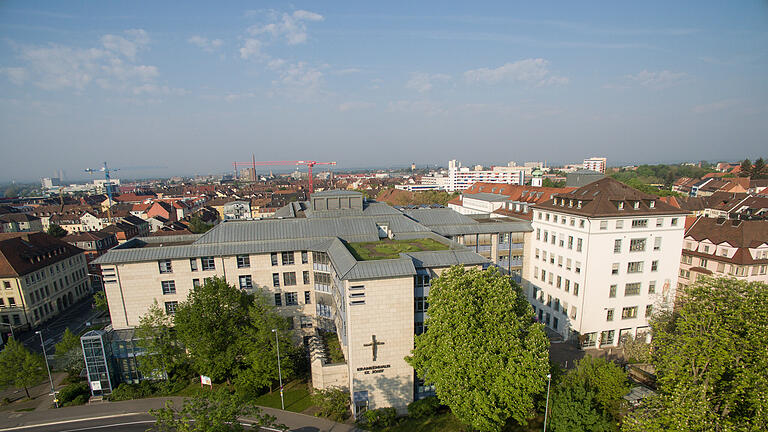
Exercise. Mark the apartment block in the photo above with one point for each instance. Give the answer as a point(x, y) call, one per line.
point(601, 260)
point(596, 164)
point(40, 276)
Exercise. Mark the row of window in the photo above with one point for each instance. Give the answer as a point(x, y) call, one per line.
point(637, 245)
point(735, 270)
point(289, 258)
point(245, 281)
point(243, 261)
point(292, 298)
point(634, 267)
point(557, 281)
point(52, 269)
point(563, 219)
point(632, 289)
point(546, 237)
point(568, 262)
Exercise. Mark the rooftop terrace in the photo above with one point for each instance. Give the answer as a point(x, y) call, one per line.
point(391, 249)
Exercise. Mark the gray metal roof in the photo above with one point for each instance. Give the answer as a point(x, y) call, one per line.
point(444, 258)
point(381, 269)
point(440, 216)
point(448, 222)
point(335, 193)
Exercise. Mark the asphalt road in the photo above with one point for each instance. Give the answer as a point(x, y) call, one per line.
point(133, 423)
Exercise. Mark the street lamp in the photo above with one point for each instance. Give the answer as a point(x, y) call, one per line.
point(50, 378)
point(546, 409)
point(11, 326)
point(279, 371)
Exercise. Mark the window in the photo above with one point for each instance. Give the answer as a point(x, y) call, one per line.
point(567, 285)
point(703, 262)
point(304, 257)
point(640, 223)
point(578, 245)
point(652, 287)
point(6, 285)
point(635, 267)
point(278, 300)
point(538, 231)
point(289, 278)
point(550, 278)
point(581, 221)
point(568, 264)
point(654, 265)
point(615, 268)
point(674, 222)
point(170, 307)
point(208, 263)
point(577, 267)
point(559, 281)
point(2, 302)
point(165, 266)
point(169, 287)
point(629, 312)
point(287, 258)
point(544, 256)
point(543, 275)
point(686, 259)
point(305, 277)
point(307, 297)
point(685, 274)
point(538, 253)
point(603, 225)
point(657, 244)
point(617, 246)
point(193, 264)
point(570, 242)
point(575, 288)
point(243, 261)
point(276, 280)
point(619, 224)
point(637, 245)
point(612, 291)
point(559, 261)
point(648, 310)
point(606, 337)
point(11, 301)
point(273, 258)
point(609, 315)
point(546, 216)
point(546, 236)
point(246, 282)
point(196, 283)
point(706, 248)
point(573, 312)
point(536, 272)
point(720, 267)
point(291, 299)
point(632, 289)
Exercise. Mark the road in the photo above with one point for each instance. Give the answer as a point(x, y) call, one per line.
point(128, 423)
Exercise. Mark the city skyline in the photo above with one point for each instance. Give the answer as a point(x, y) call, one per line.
point(201, 86)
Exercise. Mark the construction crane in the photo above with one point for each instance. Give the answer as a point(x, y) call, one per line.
point(107, 185)
point(309, 164)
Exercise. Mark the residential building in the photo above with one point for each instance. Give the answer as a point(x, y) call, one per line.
point(721, 247)
point(40, 276)
point(460, 178)
point(313, 260)
point(598, 164)
point(20, 222)
point(236, 210)
point(601, 259)
point(502, 200)
point(94, 244)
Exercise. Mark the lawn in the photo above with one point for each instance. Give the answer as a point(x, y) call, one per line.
point(391, 249)
point(333, 347)
point(296, 395)
point(445, 421)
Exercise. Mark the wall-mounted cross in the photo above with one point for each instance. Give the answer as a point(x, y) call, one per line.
point(374, 344)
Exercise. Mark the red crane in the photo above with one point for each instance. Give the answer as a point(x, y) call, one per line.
point(309, 164)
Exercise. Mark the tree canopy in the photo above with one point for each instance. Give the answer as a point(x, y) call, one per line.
point(69, 352)
point(56, 231)
point(482, 350)
point(758, 170)
point(711, 360)
point(589, 397)
point(156, 336)
point(20, 367)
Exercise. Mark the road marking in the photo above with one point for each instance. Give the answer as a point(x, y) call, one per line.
point(71, 421)
point(108, 426)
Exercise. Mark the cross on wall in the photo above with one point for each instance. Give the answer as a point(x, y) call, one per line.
point(374, 346)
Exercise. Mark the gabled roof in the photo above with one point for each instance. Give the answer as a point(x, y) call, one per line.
point(738, 233)
point(24, 253)
point(609, 197)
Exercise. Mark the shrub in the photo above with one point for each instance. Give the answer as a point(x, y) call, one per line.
point(424, 408)
point(333, 403)
point(79, 400)
point(73, 391)
point(133, 391)
point(380, 418)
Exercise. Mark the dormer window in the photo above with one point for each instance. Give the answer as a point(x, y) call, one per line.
point(621, 205)
point(652, 204)
point(579, 204)
point(637, 205)
point(570, 203)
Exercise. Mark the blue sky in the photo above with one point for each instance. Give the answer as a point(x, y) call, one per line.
point(163, 88)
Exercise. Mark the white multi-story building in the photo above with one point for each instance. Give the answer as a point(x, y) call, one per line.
point(601, 259)
point(596, 164)
point(460, 178)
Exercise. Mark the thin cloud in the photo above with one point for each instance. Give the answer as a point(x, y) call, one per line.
point(722, 105)
point(424, 82)
point(529, 71)
point(207, 45)
point(251, 49)
point(657, 79)
point(290, 27)
point(355, 106)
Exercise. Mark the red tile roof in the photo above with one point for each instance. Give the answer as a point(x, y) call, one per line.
point(23, 253)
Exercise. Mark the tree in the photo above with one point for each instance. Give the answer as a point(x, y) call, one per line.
point(69, 352)
point(197, 226)
point(56, 231)
point(19, 367)
point(759, 170)
point(258, 341)
point(710, 359)
point(156, 336)
point(210, 324)
point(100, 301)
point(547, 182)
point(219, 411)
point(483, 351)
point(332, 402)
point(589, 397)
point(746, 168)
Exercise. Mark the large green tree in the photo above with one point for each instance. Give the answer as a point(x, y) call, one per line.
point(589, 397)
point(219, 411)
point(69, 353)
point(210, 325)
point(19, 367)
point(260, 347)
point(157, 337)
point(711, 359)
point(483, 351)
point(56, 231)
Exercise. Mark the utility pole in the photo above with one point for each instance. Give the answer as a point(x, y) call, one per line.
point(279, 372)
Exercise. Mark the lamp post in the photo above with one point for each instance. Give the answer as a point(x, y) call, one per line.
point(11, 326)
point(47, 367)
point(546, 409)
point(279, 371)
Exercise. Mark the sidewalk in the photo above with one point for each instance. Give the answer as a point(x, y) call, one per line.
point(296, 422)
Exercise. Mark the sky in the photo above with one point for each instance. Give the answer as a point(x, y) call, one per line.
point(169, 88)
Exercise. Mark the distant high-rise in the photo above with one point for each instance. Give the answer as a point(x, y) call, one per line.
point(596, 164)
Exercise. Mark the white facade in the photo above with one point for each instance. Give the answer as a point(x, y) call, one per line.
point(602, 277)
point(596, 164)
point(461, 178)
